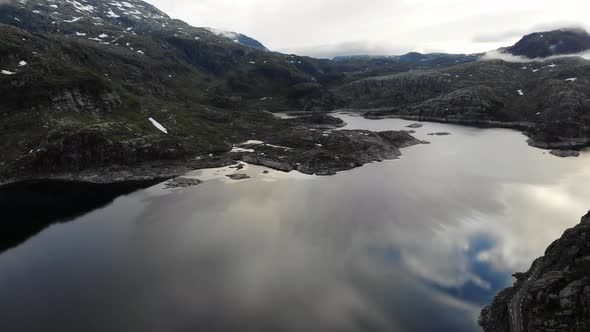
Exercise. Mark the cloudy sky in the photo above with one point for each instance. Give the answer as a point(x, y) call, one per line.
point(324, 28)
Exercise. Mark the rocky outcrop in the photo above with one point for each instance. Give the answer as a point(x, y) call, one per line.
point(558, 299)
point(314, 152)
point(318, 121)
point(565, 153)
point(182, 182)
point(238, 176)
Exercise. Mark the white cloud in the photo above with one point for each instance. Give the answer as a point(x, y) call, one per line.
point(390, 25)
point(498, 55)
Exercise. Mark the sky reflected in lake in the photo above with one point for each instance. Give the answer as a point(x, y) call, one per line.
point(416, 244)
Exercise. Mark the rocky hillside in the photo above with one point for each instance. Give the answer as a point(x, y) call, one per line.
point(551, 43)
point(105, 21)
point(85, 83)
point(550, 99)
point(98, 83)
point(556, 293)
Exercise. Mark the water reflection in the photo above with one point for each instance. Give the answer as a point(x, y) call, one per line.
point(31, 206)
point(417, 244)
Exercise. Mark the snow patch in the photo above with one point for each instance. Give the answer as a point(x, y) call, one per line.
point(252, 142)
point(158, 125)
point(75, 19)
point(236, 150)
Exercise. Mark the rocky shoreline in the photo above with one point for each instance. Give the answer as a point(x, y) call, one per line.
point(557, 295)
point(309, 151)
point(565, 144)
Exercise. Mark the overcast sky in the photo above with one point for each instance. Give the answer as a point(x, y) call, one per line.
point(324, 28)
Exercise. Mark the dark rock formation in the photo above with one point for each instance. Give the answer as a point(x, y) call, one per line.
point(314, 152)
point(318, 121)
point(238, 176)
point(565, 153)
point(558, 299)
point(182, 182)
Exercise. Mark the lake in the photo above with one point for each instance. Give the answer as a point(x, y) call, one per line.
point(421, 243)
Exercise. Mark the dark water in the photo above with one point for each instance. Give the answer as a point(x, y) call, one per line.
point(416, 244)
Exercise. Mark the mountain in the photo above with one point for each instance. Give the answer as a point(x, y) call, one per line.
point(555, 292)
point(413, 57)
point(105, 21)
point(108, 84)
point(550, 43)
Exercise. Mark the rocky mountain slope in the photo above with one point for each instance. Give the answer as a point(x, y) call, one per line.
point(551, 43)
point(94, 20)
point(82, 81)
point(557, 297)
point(99, 83)
point(548, 99)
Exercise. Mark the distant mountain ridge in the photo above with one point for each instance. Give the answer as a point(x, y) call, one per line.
point(551, 43)
point(411, 57)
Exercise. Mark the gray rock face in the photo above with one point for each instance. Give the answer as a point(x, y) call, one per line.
point(568, 296)
point(238, 176)
point(559, 300)
point(182, 182)
point(565, 153)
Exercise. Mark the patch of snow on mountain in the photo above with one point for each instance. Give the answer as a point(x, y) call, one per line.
point(158, 125)
point(112, 14)
point(237, 150)
point(80, 7)
point(75, 19)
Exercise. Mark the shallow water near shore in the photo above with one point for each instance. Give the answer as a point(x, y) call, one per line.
point(415, 244)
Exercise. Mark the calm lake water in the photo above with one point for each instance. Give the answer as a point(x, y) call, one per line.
point(415, 244)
